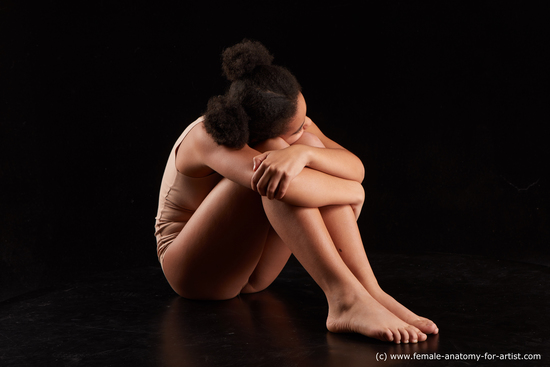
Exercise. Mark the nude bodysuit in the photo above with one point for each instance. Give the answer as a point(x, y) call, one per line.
point(180, 196)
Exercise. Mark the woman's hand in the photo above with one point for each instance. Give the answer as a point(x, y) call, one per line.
point(275, 169)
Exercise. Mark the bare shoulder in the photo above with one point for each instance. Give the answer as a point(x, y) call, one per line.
point(199, 138)
point(200, 155)
point(190, 154)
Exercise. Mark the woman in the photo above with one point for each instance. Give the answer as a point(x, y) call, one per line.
point(255, 180)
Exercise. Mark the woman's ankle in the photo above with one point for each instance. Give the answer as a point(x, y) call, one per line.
point(344, 299)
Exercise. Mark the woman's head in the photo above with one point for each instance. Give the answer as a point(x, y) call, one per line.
point(260, 102)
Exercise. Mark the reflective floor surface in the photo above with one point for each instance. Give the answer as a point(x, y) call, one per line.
point(490, 313)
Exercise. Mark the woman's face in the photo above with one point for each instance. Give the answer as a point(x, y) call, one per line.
point(298, 123)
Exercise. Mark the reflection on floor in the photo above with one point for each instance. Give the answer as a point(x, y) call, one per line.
point(487, 310)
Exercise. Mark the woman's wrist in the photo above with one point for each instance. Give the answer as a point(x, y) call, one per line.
point(305, 154)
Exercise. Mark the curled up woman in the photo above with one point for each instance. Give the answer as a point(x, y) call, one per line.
point(253, 181)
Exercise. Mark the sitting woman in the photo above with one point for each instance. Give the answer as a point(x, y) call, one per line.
point(255, 180)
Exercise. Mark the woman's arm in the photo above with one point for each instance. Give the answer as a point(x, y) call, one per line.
point(310, 188)
point(331, 158)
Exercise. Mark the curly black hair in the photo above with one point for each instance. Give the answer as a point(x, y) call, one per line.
point(260, 101)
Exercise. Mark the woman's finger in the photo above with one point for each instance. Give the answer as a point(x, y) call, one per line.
point(274, 184)
point(257, 176)
point(283, 186)
point(263, 179)
point(257, 160)
point(268, 183)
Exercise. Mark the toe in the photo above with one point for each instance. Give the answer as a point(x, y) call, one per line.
point(422, 337)
point(416, 335)
point(404, 335)
point(425, 325)
point(387, 336)
point(432, 329)
point(408, 335)
point(396, 336)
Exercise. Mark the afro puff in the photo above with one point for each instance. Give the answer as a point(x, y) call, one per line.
point(241, 59)
point(226, 122)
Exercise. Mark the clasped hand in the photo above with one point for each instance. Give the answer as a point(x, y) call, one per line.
point(275, 169)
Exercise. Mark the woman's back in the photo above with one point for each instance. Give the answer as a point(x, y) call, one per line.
point(180, 193)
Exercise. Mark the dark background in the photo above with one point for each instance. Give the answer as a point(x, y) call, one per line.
point(446, 104)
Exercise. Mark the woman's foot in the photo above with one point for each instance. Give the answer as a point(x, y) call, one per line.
point(425, 325)
point(364, 315)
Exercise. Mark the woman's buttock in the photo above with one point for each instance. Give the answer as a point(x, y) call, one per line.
point(183, 198)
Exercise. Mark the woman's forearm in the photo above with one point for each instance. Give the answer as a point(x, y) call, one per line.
point(335, 162)
point(325, 155)
point(312, 188)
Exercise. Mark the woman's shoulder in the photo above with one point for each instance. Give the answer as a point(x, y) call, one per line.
point(190, 153)
point(199, 138)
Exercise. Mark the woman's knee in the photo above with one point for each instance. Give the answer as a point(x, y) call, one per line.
point(311, 140)
point(271, 144)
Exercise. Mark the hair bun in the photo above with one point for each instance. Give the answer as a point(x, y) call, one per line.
point(226, 122)
point(242, 58)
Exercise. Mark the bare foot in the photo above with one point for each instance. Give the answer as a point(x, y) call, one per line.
point(425, 325)
point(366, 316)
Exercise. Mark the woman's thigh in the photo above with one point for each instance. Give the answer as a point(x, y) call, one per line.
point(221, 245)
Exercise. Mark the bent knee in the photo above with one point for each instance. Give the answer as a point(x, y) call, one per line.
point(311, 140)
point(276, 143)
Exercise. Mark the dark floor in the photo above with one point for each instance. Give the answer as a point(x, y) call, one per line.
point(492, 308)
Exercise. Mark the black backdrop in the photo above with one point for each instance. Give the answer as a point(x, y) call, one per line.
point(445, 102)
